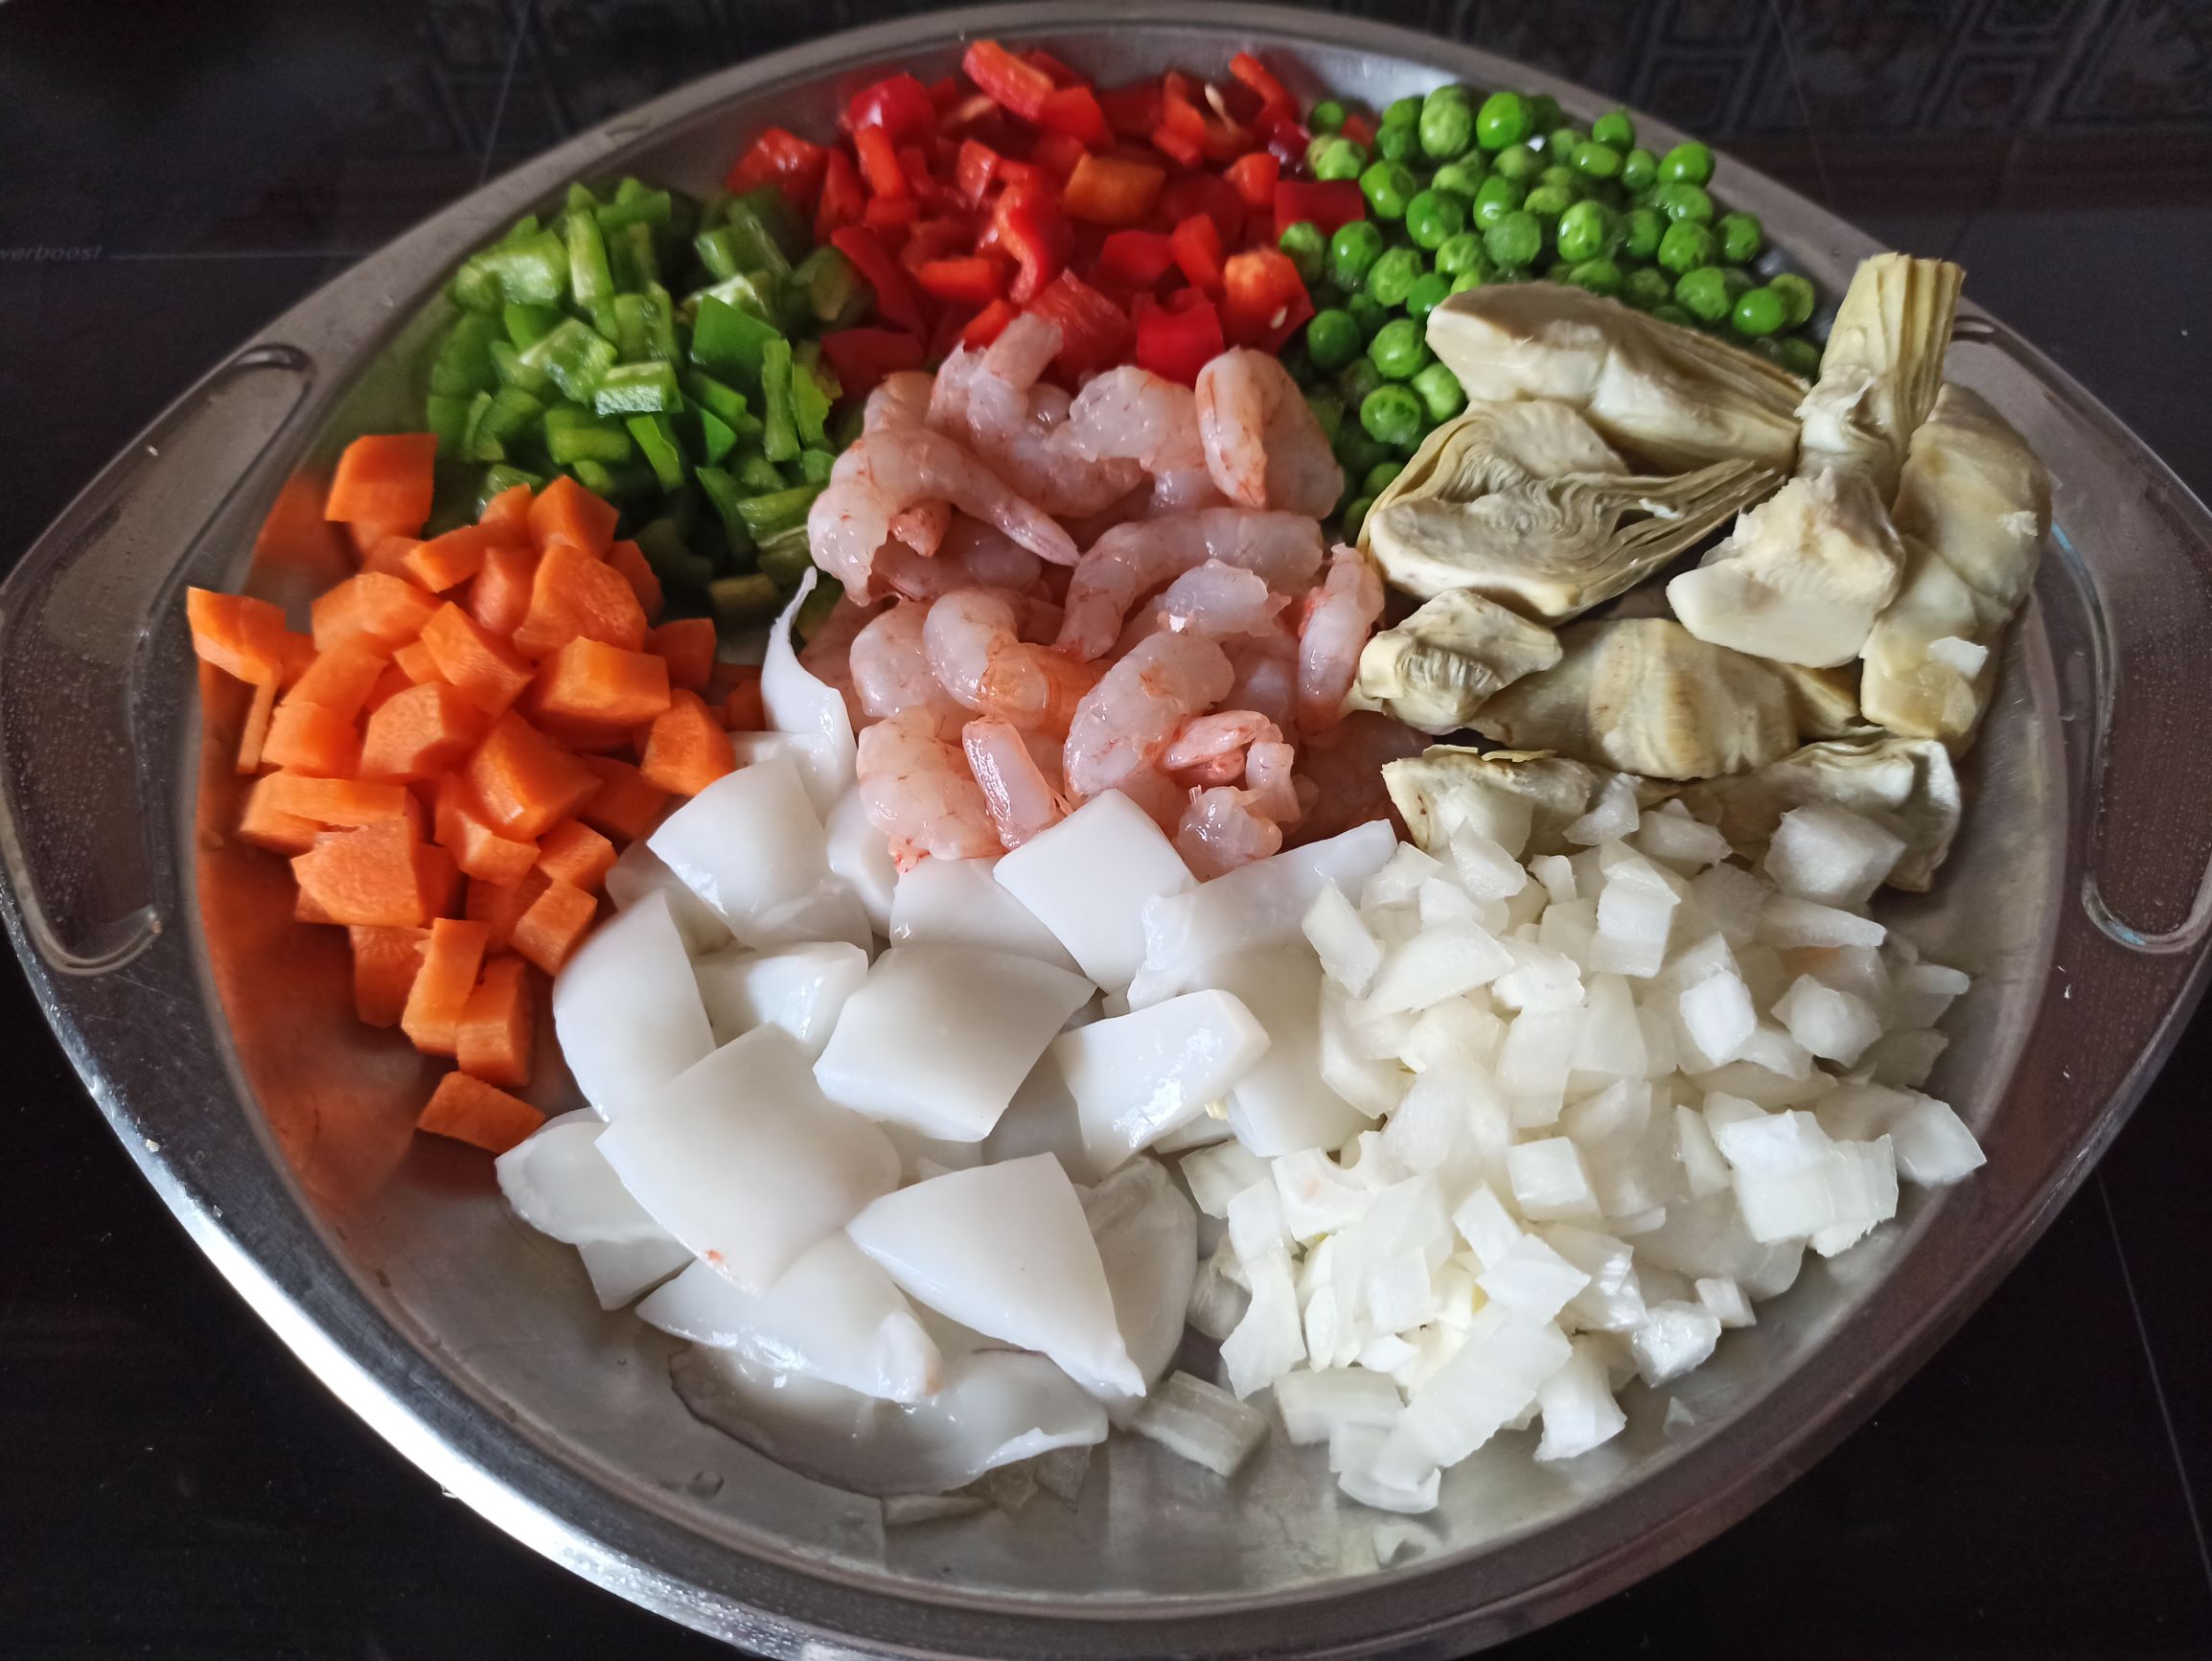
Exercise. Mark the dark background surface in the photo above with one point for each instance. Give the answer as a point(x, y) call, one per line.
point(173, 1484)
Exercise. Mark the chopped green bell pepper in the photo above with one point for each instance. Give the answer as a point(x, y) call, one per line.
point(637, 389)
point(655, 438)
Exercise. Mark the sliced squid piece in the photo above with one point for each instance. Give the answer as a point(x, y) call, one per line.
point(620, 1272)
point(1282, 1105)
point(751, 846)
point(627, 1010)
point(801, 989)
point(1148, 1234)
point(561, 1184)
point(640, 871)
point(809, 709)
point(744, 1161)
point(860, 858)
point(1137, 1076)
point(1088, 877)
point(961, 903)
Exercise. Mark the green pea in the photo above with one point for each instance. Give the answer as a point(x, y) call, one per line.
point(1326, 116)
point(1797, 297)
point(1332, 339)
point(1461, 178)
point(1403, 112)
point(1515, 241)
point(1615, 128)
point(1447, 124)
point(1562, 178)
point(1549, 201)
point(1393, 276)
point(1327, 409)
point(1641, 231)
point(1759, 313)
point(1643, 288)
point(1685, 247)
point(1740, 281)
point(1307, 248)
point(1690, 164)
point(1392, 415)
point(1517, 162)
point(1545, 113)
point(1585, 231)
point(1354, 446)
point(1680, 200)
point(1800, 355)
point(1557, 271)
point(1380, 476)
point(1356, 379)
point(1388, 186)
point(1639, 170)
point(1461, 254)
point(1427, 294)
point(1498, 197)
point(1703, 293)
point(1355, 512)
point(1606, 190)
point(1369, 313)
point(1433, 218)
point(1340, 158)
point(1601, 276)
point(1440, 391)
point(1599, 161)
point(1742, 237)
point(1466, 279)
point(1502, 120)
point(1396, 143)
point(1561, 141)
point(1352, 252)
point(1645, 197)
point(1674, 315)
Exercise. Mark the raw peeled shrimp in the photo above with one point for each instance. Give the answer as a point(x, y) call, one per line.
point(890, 669)
point(901, 399)
point(881, 474)
point(921, 529)
point(1264, 445)
point(976, 649)
point(1132, 560)
point(1124, 725)
point(992, 401)
point(1220, 600)
point(915, 787)
point(827, 654)
point(1209, 750)
point(1133, 414)
point(1020, 794)
point(1339, 616)
point(972, 555)
point(1225, 827)
point(1265, 664)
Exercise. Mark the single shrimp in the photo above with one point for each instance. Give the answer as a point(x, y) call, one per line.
point(973, 555)
point(891, 674)
point(901, 399)
point(976, 649)
point(1211, 749)
point(1132, 560)
point(881, 474)
point(1022, 799)
point(1225, 827)
point(1220, 600)
point(1265, 664)
point(1264, 445)
point(827, 654)
point(993, 402)
point(1135, 414)
point(1339, 616)
point(1124, 725)
point(915, 787)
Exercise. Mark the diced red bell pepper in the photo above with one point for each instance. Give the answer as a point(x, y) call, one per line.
point(922, 182)
point(1275, 100)
point(895, 299)
point(1093, 332)
point(1263, 298)
point(1182, 132)
point(1030, 229)
point(1196, 245)
point(843, 198)
point(1060, 73)
point(1132, 111)
point(1177, 342)
point(1327, 202)
point(965, 113)
point(934, 239)
point(988, 324)
point(973, 282)
point(944, 92)
point(785, 160)
point(1252, 178)
point(1074, 111)
point(889, 218)
point(973, 172)
point(899, 103)
point(1359, 130)
point(1288, 142)
point(1207, 194)
point(1105, 191)
point(864, 357)
point(1056, 154)
point(1011, 82)
point(879, 160)
point(1134, 260)
point(1186, 112)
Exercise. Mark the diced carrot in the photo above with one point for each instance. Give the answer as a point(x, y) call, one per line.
point(525, 781)
point(381, 873)
point(388, 556)
point(298, 657)
point(743, 712)
point(630, 560)
point(499, 598)
point(393, 681)
point(306, 737)
point(493, 1042)
point(387, 609)
point(470, 661)
point(384, 965)
point(508, 513)
point(588, 680)
point(338, 803)
point(391, 478)
point(441, 880)
point(500, 905)
point(573, 594)
point(482, 1115)
point(685, 750)
point(240, 635)
point(420, 733)
point(575, 854)
point(307, 908)
point(448, 561)
point(566, 513)
point(417, 663)
point(548, 930)
point(341, 678)
point(450, 958)
point(253, 734)
point(689, 645)
point(267, 825)
point(625, 806)
point(481, 852)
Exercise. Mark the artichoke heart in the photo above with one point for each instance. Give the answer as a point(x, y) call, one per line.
point(1646, 696)
point(1802, 578)
point(1882, 367)
point(1673, 397)
point(1434, 670)
point(1827, 702)
point(1906, 785)
point(1522, 799)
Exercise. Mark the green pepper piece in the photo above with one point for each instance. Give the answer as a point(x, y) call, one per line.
point(463, 364)
point(624, 483)
point(533, 270)
point(779, 436)
point(717, 251)
point(475, 287)
point(757, 474)
point(448, 419)
point(750, 292)
point(662, 542)
point(637, 389)
point(730, 344)
point(573, 435)
point(588, 275)
point(778, 511)
point(810, 401)
point(513, 368)
point(814, 465)
point(726, 401)
point(815, 610)
point(784, 558)
point(768, 208)
point(830, 282)
point(723, 494)
point(716, 437)
point(656, 437)
point(508, 419)
point(635, 261)
point(504, 478)
point(477, 405)
point(580, 199)
point(642, 207)
point(753, 244)
point(576, 356)
point(527, 325)
point(528, 226)
point(743, 602)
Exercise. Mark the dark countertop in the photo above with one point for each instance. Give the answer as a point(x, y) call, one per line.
point(177, 1486)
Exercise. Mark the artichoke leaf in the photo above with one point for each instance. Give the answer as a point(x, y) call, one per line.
point(1881, 368)
point(1522, 799)
point(1434, 670)
point(1827, 702)
point(1906, 785)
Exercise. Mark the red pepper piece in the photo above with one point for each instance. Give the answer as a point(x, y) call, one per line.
point(974, 281)
point(1177, 342)
point(1287, 142)
point(864, 357)
point(843, 198)
point(944, 92)
point(1010, 83)
point(895, 299)
point(785, 160)
point(1275, 100)
point(1056, 154)
point(899, 105)
point(973, 171)
point(1196, 245)
point(1105, 191)
point(1061, 75)
point(1030, 227)
point(1095, 333)
point(1073, 111)
point(1327, 202)
point(1132, 111)
point(967, 112)
point(1359, 130)
point(1252, 178)
point(935, 239)
point(879, 160)
point(1207, 194)
point(1263, 299)
point(1134, 260)
point(889, 218)
point(987, 324)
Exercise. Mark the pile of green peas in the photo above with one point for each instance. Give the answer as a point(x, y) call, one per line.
point(1459, 194)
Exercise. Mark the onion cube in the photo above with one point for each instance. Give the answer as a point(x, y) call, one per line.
point(1608, 1039)
point(1633, 923)
point(1531, 1279)
point(1611, 816)
point(1834, 1026)
point(1613, 1302)
point(1830, 855)
point(1701, 1161)
point(1318, 1196)
point(1577, 1405)
point(1535, 1061)
point(1437, 964)
point(1539, 979)
point(1548, 1180)
point(1725, 1300)
point(1570, 927)
point(1270, 1340)
point(1349, 954)
point(1922, 991)
point(1671, 835)
point(1730, 900)
point(1315, 1405)
point(1203, 1425)
point(1786, 921)
point(1087, 879)
point(1137, 1076)
point(1216, 1175)
point(1489, 1230)
point(1490, 1380)
point(1255, 1225)
point(1932, 1144)
point(1718, 1018)
point(1556, 873)
point(1369, 1489)
point(1486, 870)
point(1674, 1339)
point(1399, 878)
